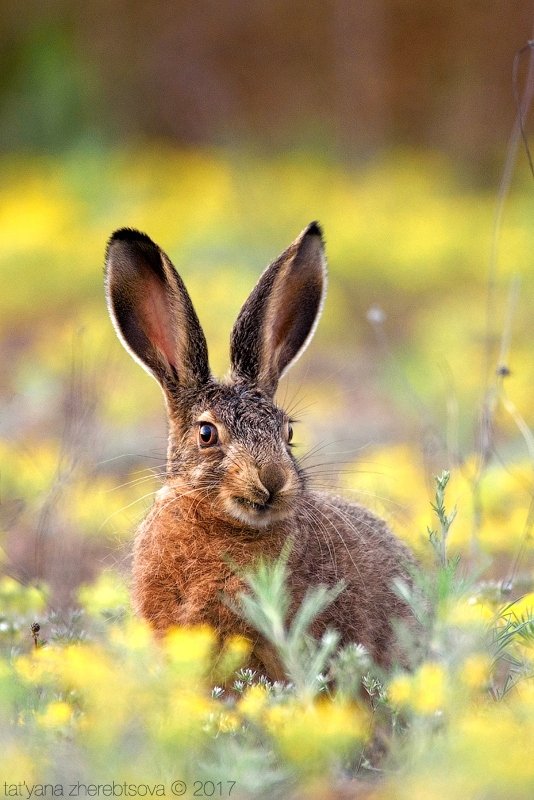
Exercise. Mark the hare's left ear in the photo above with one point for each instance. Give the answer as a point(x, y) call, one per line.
point(152, 312)
point(278, 320)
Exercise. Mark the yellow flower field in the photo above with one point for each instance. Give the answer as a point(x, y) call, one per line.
point(408, 379)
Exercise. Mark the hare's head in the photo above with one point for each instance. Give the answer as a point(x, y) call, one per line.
point(229, 443)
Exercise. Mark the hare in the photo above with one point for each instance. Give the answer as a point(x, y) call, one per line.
point(234, 491)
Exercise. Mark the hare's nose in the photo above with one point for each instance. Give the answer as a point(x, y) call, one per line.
point(272, 477)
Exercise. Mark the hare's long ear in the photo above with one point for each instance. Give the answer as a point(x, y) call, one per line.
point(278, 320)
point(152, 311)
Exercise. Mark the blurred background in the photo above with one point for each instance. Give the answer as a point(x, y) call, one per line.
point(222, 129)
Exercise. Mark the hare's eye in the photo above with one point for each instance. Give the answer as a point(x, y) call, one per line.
point(207, 435)
point(289, 433)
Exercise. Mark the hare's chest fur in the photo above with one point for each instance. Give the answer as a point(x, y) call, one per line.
point(184, 568)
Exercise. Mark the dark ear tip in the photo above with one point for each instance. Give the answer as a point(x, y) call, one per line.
point(314, 229)
point(129, 235)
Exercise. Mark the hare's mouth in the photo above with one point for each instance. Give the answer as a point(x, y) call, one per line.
point(257, 515)
point(252, 505)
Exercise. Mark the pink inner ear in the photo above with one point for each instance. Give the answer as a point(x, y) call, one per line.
point(157, 318)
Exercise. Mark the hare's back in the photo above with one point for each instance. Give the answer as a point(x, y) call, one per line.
point(348, 542)
point(359, 545)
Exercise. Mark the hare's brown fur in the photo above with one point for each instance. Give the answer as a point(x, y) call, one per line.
point(182, 570)
point(234, 491)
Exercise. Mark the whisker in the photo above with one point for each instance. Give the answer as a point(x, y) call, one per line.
point(124, 508)
point(348, 523)
point(135, 482)
point(140, 456)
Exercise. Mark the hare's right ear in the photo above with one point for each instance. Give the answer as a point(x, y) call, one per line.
point(278, 320)
point(152, 311)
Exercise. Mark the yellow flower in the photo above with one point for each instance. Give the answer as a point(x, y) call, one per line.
point(24, 666)
point(190, 652)
point(19, 599)
point(56, 714)
point(190, 645)
point(40, 665)
point(189, 707)
point(523, 692)
point(184, 715)
point(253, 701)
point(468, 612)
point(424, 691)
point(134, 636)
point(232, 656)
point(309, 735)
point(494, 738)
point(524, 606)
point(400, 690)
point(429, 688)
point(238, 646)
point(17, 760)
point(228, 722)
point(109, 591)
point(8, 587)
point(475, 671)
point(504, 532)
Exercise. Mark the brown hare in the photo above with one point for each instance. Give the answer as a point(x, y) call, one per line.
point(234, 491)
